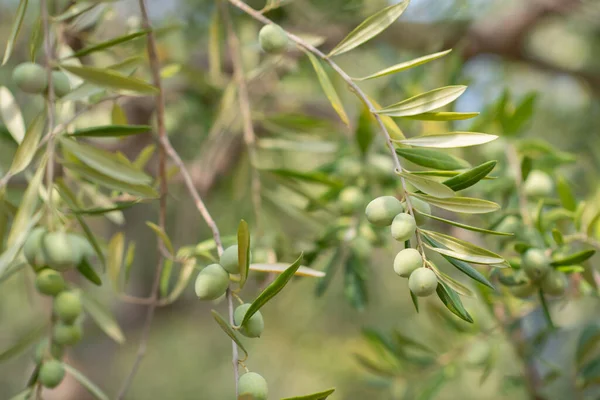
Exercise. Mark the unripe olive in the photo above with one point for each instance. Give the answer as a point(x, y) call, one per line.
point(536, 264)
point(83, 246)
point(67, 335)
point(60, 83)
point(554, 283)
point(252, 386)
point(361, 247)
point(478, 353)
point(56, 351)
point(32, 249)
point(229, 259)
point(403, 227)
point(348, 167)
point(422, 282)
point(272, 39)
point(59, 251)
point(211, 282)
point(351, 199)
point(49, 282)
point(538, 184)
point(67, 306)
point(422, 207)
point(407, 261)
point(255, 325)
point(51, 374)
point(30, 78)
point(382, 210)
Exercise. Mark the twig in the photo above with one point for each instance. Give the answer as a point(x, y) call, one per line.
point(162, 173)
point(353, 87)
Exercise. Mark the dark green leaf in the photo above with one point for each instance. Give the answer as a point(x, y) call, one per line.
point(109, 43)
point(270, 291)
point(103, 318)
point(415, 301)
point(521, 116)
point(526, 167)
point(452, 302)
point(228, 330)
point(86, 383)
point(432, 159)
point(243, 238)
point(315, 396)
point(470, 177)
point(328, 88)
point(572, 259)
point(110, 79)
point(364, 131)
point(111, 131)
point(100, 211)
point(88, 272)
point(16, 27)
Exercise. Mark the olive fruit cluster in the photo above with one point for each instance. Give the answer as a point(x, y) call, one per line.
point(252, 386)
point(408, 263)
point(536, 272)
point(59, 251)
point(32, 78)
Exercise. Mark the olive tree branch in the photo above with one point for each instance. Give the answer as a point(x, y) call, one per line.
point(353, 87)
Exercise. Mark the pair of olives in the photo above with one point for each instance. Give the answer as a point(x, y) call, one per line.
point(252, 386)
point(537, 272)
point(422, 281)
point(58, 250)
point(32, 78)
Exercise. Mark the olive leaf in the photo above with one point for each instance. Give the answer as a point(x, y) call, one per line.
point(185, 274)
point(102, 318)
point(444, 116)
point(567, 198)
point(462, 250)
point(315, 396)
point(88, 272)
point(160, 232)
point(405, 65)
point(465, 205)
point(228, 330)
point(86, 383)
point(312, 176)
point(243, 237)
point(589, 374)
point(328, 88)
point(464, 226)
point(272, 290)
point(470, 177)
point(111, 131)
point(278, 268)
point(114, 262)
point(589, 338)
point(428, 186)
point(108, 44)
point(450, 140)
point(424, 102)
point(28, 146)
point(14, 32)
point(11, 115)
point(75, 10)
point(110, 79)
point(430, 158)
point(572, 259)
point(24, 395)
point(370, 28)
point(23, 343)
point(452, 302)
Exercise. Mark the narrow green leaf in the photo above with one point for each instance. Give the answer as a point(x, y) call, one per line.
point(444, 116)
point(573, 259)
point(228, 330)
point(463, 250)
point(114, 262)
point(450, 140)
point(433, 386)
point(370, 28)
point(590, 373)
point(163, 236)
point(424, 102)
point(28, 147)
point(24, 395)
point(12, 251)
point(465, 205)
point(475, 259)
point(165, 278)
point(521, 116)
point(462, 266)
point(88, 272)
point(111, 131)
point(75, 10)
point(243, 238)
point(11, 115)
point(374, 368)
point(313, 176)
point(470, 177)
point(415, 301)
point(270, 291)
point(103, 318)
point(106, 163)
point(589, 338)
point(558, 237)
point(100, 211)
point(329, 269)
point(16, 27)
point(214, 47)
point(185, 274)
point(526, 167)
point(278, 268)
point(428, 186)
point(328, 88)
point(405, 65)
point(23, 343)
point(118, 116)
point(86, 383)
point(11, 269)
point(315, 396)
point(144, 156)
point(567, 198)
point(110, 79)
point(109, 43)
point(393, 129)
point(363, 134)
point(464, 226)
point(128, 263)
point(36, 39)
point(452, 302)
point(432, 159)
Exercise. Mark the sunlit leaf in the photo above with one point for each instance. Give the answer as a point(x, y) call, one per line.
point(424, 102)
point(17, 21)
point(109, 43)
point(110, 79)
point(228, 330)
point(111, 131)
point(475, 259)
point(11, 115)
point(465, 205)
point(449, 140)
point(432, 159)
point(114, 262)
point(405, 65)
point(428, 186)
point(163, 236)
point(315, 396)
point(103, 318)
point(444, 116)
point(573, 259)
point(452, 283)
point(463, 250)
point(328, 88)
point(278, 268)
point(86, 383)
point(470, 177)
point(185, 274)
point(370, 28)
point(28, 147)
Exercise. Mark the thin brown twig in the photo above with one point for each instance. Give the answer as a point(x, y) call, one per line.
point(353, 87)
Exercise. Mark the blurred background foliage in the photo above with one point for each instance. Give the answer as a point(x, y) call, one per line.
point(546, 47)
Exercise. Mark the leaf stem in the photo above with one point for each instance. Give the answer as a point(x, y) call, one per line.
point(546, 310)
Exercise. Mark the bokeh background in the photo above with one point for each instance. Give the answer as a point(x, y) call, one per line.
point(550, 47)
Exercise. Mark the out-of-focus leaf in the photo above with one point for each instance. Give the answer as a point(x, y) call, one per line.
point(432, 159)
point(144, 156)
point(11, 115)
point(108, 44)
point(86, 383)
point(185, 274)
point(424, 102)
point(470, 177)
point(567, 198)
point(433, 386)
point(364, 131)
point(370, 28)
point(590, 373)
point(328, 88)
point(573, 259)
point(75, 10)
point(279, 268)
point(118, 116)
point(313, 177)
point(100, 211)
point(228, 330)
point(329, 270)
point(110, 79)
point(103, 318)
point(24, 395)
point(526, 167)
point(163, 236)
point(23, 343)
point(36, 39)
point(452, 302)
point(243, 237)
point(16, 27)
point(315, 396)
point(111, 131)
point(405, 65)
point(521, 116)
point(165, 278)
point(271, 291)
point(444, 116)
point(428, 186)
point(88, 272)
point(449, 140)
point(374, 368)
point(588, 340)
point(114, 262)
point(415, 301)
point(214, 47)
point(28, 146)
point(465, 205)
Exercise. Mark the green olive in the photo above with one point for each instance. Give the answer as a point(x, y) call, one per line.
point(49, 282)
point(348, 168)
point(60, 83)
point(254, 327)
point(51, 373)
point(351, 199)
point(272, 39)
point(252, 386)
point(67, 306)
point(538, 184)
point(478, 353)
point(361, 247)
point(67, 334)
point(407, 261)
point(536, 264)
point(403, 227)
point(30, 78)
point(32, 249)
point(59, 251)
point(211, 282)
point(554, 283)
point(382, 210)
point(422, 282)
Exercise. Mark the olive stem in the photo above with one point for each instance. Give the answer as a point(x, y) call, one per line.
point(546, 310)
point(353, 87)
